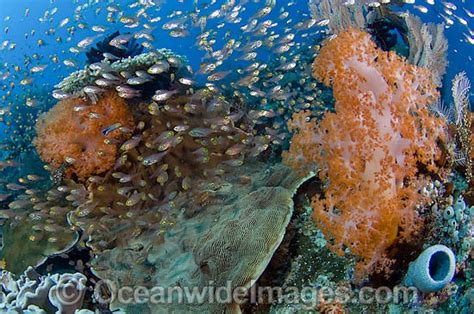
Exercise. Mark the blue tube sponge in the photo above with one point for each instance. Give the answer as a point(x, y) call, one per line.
point(432, 270)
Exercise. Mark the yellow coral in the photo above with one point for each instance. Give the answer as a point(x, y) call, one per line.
point(368, 151)
point(73, 129)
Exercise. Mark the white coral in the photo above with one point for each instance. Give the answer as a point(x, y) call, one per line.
point(428, 46)
point(32, 293)
point(339, 14)
point(460, 90)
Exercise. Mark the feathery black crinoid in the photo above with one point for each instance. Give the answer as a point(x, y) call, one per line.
point(95, 54)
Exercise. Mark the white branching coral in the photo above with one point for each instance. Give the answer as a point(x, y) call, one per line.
point(463, 153)
point(460, 90)
point(443, 110)
point(458, 115)
point(428, 46)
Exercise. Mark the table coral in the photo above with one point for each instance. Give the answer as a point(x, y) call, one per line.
point(369, 153)
point(229, 243)
point(72, 131)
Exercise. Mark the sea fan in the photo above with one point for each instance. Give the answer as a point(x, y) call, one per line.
point(132, 48)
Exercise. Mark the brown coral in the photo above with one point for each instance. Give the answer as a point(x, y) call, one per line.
point(230, 242)
point(72, 131)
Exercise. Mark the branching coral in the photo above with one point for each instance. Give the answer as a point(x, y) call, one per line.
point(460, 119)
point(370, 151)
point(428, 46)
point(72, 132)
point(120, 71)
point(463, 122)
point(338, 15)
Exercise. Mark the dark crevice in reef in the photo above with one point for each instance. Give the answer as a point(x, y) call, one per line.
point(279, 267)
point(402, 253)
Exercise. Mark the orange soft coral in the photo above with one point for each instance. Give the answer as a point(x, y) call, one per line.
point(73, 128)
point(369, 151)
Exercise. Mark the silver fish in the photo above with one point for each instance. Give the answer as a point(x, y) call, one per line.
point(100, 66)
point(104, 82)
point(86, 42)
point(131, 143)
point(119, 40)
point(163, 95)
point(200, 132)
point(217, 76)
point(70, 63)
point(60, 94)
point(110, 76)
point(137, 80)
point(186, 81)
point(93, 90)
point(15, 187)
point(98, 28)
point(135, 199)
point(123, 178)
point(124, 191)
point(110, 56)
point(159, 67)
point(153, 159)
point(143, 74)
point(39, 68)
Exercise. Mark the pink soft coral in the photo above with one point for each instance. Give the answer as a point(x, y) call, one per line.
point(73, 128)
point(369, 151)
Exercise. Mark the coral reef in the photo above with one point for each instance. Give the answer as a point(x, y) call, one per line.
point(32, 293)
point(73, 132)
point(452, 223)
point(231, 240)
point(130, 49)
point(371, 168)
point(116, 74)
point(311, 264)
point(37, 240)
point(176, 146)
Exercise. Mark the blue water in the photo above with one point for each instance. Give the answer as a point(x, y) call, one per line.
point(461, 53)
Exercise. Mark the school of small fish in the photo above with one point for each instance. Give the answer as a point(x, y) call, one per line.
point(271, 27)
point(234, 38)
